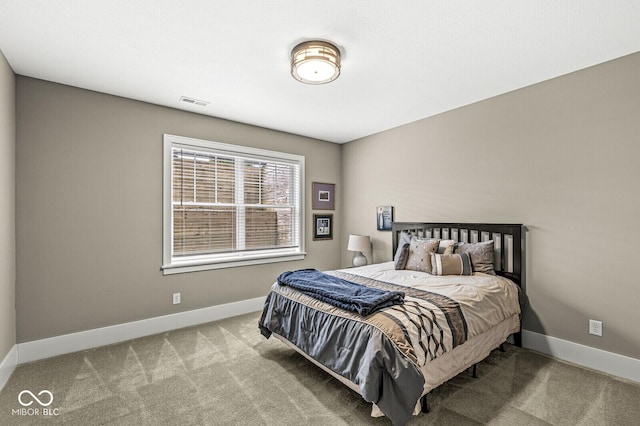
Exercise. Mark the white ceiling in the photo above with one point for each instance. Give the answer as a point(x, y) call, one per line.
point(402, 60)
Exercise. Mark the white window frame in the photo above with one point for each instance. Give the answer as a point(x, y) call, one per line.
point(172, 265)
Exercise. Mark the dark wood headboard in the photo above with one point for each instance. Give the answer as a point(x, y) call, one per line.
point(508, 238)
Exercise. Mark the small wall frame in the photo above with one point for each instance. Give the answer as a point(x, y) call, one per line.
point(384, 218)
point(322, 227)
point(323, 196)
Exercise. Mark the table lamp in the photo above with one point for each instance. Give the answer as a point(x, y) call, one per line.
point(359, 243)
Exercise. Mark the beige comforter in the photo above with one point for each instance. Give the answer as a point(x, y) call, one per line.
point(486, 300)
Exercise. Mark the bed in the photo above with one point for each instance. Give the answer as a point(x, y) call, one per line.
point(446, 323)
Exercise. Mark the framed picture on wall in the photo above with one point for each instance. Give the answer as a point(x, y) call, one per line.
point(322, 226)
point(384, 218)
point(323, 196)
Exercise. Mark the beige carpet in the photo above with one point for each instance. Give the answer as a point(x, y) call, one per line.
point(227, 373)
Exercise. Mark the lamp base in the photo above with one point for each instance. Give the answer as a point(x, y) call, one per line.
point(359, 259)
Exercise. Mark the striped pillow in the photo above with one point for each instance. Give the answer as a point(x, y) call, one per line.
point(451, 264)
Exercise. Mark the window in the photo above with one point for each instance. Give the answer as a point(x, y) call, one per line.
point(228, 205)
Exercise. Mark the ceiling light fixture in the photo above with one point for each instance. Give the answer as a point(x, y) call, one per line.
point(315, 62)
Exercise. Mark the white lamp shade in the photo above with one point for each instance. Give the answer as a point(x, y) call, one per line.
point(359, 243)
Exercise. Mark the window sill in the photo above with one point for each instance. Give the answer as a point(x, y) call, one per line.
point(195, 266)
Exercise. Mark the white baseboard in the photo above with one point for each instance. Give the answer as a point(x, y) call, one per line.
point(7, 365)
point(59, 345)
point(597, 359)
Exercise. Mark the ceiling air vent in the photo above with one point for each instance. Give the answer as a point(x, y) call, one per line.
point(193, 101)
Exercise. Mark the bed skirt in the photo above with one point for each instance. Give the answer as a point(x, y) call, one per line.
point(444, 367)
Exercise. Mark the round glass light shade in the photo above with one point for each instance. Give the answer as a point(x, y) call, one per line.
point(315, 62)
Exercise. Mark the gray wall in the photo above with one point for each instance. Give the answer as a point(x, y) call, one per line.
point(561, 157)
point(89, 210)
point(7, 209)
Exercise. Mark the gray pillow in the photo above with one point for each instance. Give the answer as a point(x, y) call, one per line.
point(481, 255)
point(419, 249)
point(405, 238)
point(401, 263)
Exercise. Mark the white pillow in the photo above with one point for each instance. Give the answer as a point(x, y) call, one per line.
point(446, 246)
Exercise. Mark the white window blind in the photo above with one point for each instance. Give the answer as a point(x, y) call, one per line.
point(230, 205)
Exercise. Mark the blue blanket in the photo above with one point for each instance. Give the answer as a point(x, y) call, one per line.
point(340, 293)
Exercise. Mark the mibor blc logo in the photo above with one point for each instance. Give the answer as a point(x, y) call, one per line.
point(45, 402)
point(35, 404)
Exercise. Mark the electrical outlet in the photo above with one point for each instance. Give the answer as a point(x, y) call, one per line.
point(176, 298)
point(595, 327)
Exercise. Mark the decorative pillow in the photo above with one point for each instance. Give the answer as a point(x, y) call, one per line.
point(419, 250)
point(405, 238)
point(401, 262)
point(451, 264)
point(481, 255)
point(446, 246)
